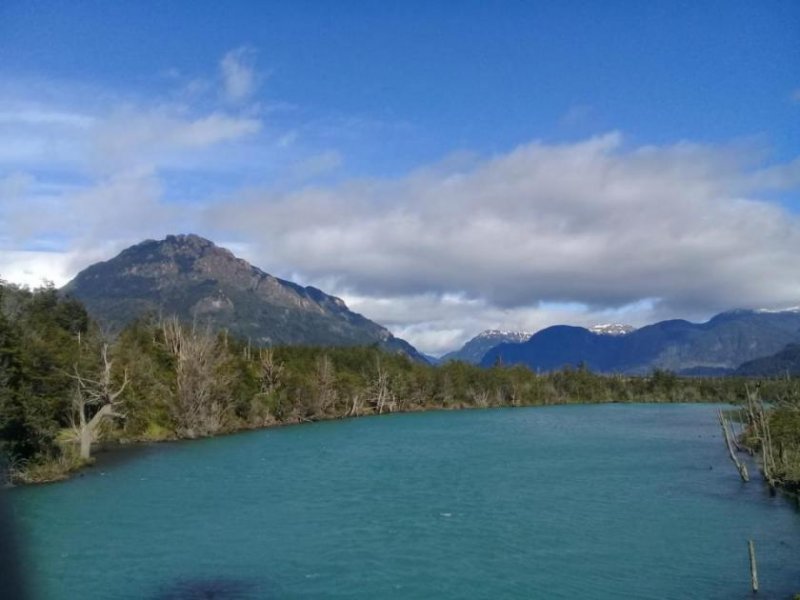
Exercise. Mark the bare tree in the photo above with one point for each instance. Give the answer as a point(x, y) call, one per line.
point(326, 384)
point(200, 406)
point(95, 401)
point(356, 404)
point(381, 394)
point(480, 398)
point(271, 371)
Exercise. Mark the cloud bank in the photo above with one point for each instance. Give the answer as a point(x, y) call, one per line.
point(594, 223)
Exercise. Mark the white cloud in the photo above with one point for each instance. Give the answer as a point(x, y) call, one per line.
point(132, 136)
point(318, 164)
point(94, 177)
point(33, 268)
point(238, 75)
point(105, 214)
point(594, 223)
point(437, 324)
point(36, 116)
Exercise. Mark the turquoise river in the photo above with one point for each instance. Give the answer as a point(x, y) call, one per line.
point(599, 502)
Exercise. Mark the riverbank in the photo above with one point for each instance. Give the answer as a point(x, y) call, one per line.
point(69, 465)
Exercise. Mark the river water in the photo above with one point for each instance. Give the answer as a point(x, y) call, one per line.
point(600, 502)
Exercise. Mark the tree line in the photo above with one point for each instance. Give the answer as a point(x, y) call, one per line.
point(65, 385)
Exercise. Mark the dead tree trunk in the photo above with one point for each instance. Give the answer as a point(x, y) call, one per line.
point(98, 398)
point(355, 406)
point(751, 548)
point(740, 466)
point(271, 371)
point(759, 425)
point(382, 395)
point(326, 385)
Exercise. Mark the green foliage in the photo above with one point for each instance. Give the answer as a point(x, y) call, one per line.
point(140, 351)
point(42, 339)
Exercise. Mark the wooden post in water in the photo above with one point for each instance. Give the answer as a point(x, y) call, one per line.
point(753, 568)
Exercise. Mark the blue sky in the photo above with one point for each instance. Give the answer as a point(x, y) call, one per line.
point(120, 121)
point(478, 75)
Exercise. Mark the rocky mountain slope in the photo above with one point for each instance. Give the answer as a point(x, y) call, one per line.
point(193, 278)
point(721, 344)
point(785, 362)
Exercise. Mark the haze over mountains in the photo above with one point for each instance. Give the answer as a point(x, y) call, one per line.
point(193, 278)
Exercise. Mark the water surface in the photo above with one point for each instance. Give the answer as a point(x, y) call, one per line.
point(601, 502)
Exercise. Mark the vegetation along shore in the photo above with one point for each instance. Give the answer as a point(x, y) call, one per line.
point(64, 387)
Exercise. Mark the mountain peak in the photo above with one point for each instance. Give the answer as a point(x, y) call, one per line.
point(505, 334)
point(475, 348)
point(193, 278)
point(191, 242)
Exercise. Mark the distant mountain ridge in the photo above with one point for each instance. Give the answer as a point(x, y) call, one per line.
point(193, 278)
point(783, 363)
point(475, 349)
point(714, 347)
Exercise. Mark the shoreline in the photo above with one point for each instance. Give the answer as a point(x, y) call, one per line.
point(113, 451)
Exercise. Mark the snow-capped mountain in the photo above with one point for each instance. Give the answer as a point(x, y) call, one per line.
point(509, 336)
point(475, 348)
point(716, 346)
point(612, 329)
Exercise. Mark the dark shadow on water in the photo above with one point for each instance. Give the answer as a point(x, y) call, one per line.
point(11, 579)
point(212, 588)
point(109, 455)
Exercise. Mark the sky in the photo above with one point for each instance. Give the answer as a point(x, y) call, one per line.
point(444, 167)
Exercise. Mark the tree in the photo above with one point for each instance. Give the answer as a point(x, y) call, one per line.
point(381, 395)
point(13, 431)
point(325, 377)
point(94, 402)
point(271, 371)
point(200, 406)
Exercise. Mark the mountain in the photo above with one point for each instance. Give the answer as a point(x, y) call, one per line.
point(193, 278)
point(474, 350)
point(433, 360)
point(785, 362)
point(713, 347)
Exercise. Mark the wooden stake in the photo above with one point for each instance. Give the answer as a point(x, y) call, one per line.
point(753, 569)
